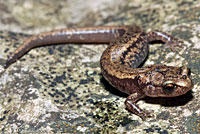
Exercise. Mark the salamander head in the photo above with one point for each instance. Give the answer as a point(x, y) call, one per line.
point(167, 81)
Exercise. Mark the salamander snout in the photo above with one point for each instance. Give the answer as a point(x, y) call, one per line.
point(180, 84)
point(185, 80)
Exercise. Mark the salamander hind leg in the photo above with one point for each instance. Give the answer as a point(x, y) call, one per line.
point(173, 43)
point(133, 107)
point(170, 41)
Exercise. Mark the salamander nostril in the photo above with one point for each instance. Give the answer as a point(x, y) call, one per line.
point(189, 72)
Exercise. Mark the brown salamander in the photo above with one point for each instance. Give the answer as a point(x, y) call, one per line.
point(127, 50)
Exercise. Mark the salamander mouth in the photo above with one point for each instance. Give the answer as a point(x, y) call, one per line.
point(191, 86)
point(184, 86)
point(184, 90)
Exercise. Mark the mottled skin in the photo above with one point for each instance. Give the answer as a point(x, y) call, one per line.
point(127, 50)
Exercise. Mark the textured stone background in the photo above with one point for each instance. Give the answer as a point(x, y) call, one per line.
point(60, 88)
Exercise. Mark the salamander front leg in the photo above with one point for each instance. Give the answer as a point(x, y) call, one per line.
point(133, 107)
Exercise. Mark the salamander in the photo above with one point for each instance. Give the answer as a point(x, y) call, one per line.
point(129, 46)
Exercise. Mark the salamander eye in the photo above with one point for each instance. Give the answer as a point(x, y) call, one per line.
point(169, 86)
point(184, 77)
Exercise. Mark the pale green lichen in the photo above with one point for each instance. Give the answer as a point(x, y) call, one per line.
point(193, 124)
